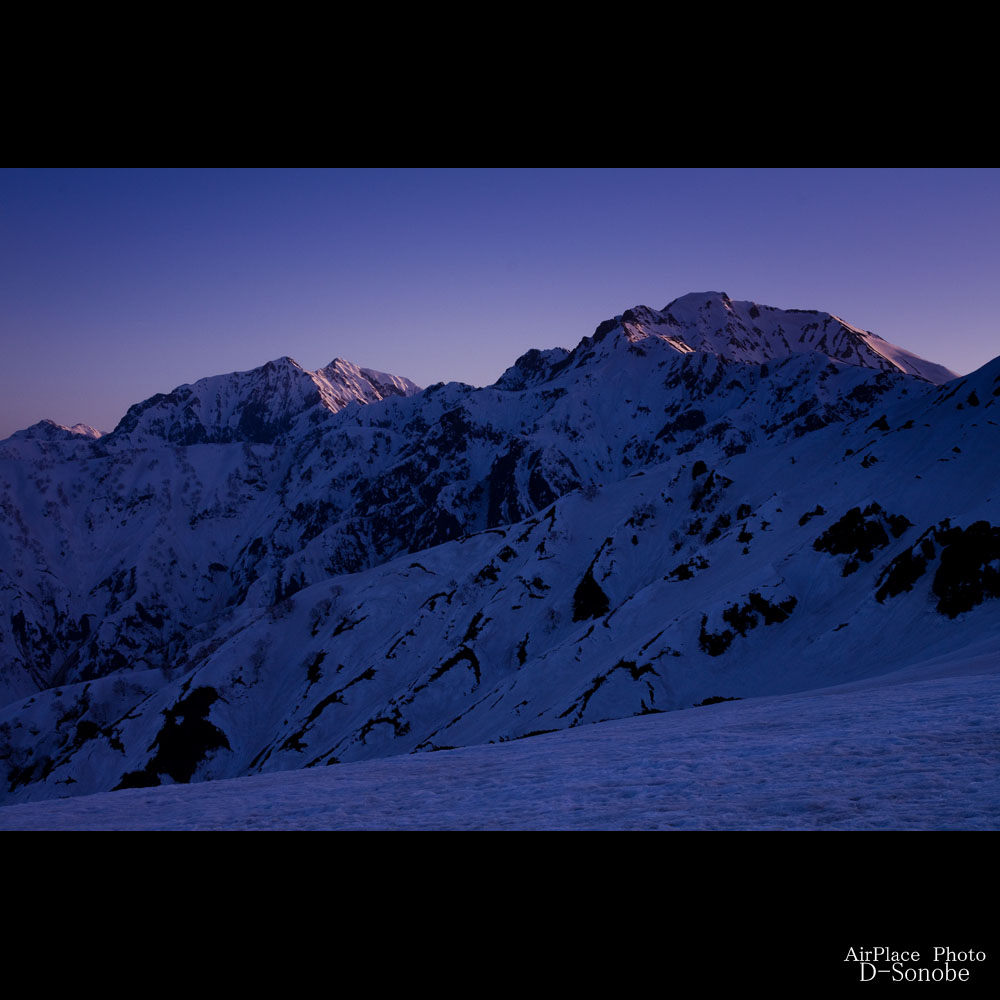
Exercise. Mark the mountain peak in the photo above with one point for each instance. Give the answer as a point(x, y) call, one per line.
point(342, 382)
point(713, 323)
point(255, 406)
point(49, 430)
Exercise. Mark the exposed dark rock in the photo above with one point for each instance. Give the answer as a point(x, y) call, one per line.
point(722, 522)
point(813, 422)
point(742, 618)
point(313, 672)
point(900, 575)
point(690, 420)
point(629, 666)
point(713, 643)
point(184, 741)
point(805, 518)
point(465, 654)
point(475, 627)
point(504, 506)
point(968, 573)
point(686, 570)
point(859, 534)
point(589, 601)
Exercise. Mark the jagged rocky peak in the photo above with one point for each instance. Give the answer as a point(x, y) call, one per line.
point(532, 367)
point(255, 406)
point(345, 382)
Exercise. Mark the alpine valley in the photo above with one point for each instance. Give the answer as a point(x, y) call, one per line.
point(280, 569)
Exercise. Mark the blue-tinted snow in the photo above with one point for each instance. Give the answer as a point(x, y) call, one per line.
point(911, 751)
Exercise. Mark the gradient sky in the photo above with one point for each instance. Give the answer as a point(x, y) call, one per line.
point(117, 284)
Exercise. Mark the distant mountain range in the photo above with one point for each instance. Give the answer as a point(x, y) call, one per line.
point(278, 569)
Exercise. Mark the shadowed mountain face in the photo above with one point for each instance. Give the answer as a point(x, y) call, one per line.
point(281, 568)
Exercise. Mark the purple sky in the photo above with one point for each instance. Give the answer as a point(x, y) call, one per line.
point(117, 284)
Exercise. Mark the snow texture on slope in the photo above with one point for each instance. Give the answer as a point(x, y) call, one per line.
point(917, 751)
point(240, 580)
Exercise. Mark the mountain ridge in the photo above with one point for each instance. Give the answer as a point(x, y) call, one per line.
point(712, 323)
point(720, 325)
point(628, 527)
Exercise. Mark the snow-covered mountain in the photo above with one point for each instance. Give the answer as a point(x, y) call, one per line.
point(278, 569)
point(49, 430)
point(712, 323)
point(746, 331)
point(256, 406)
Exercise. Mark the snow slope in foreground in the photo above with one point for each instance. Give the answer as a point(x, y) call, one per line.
point(918, 749)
